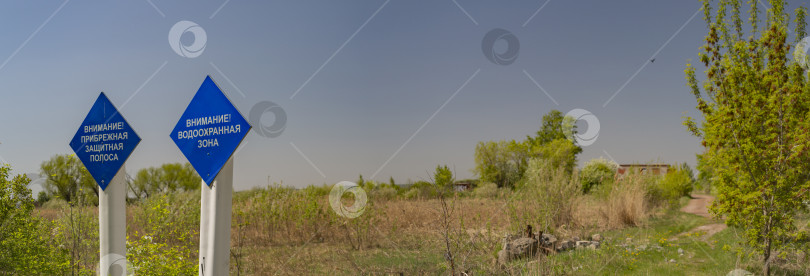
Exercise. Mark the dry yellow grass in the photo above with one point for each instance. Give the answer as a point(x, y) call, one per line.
point(627, 204)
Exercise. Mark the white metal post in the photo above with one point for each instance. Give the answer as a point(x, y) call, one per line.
point(205, 194)
point(217, 238)
point(112, 223)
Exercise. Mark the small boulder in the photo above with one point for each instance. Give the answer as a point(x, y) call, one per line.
point(523, 247)
point(549, 239)
point(583, 244)
point(596, 237)
point(516, 249)
point(594, 245)
point(566, 245)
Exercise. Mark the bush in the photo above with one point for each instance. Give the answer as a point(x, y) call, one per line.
point(56, 204)
point(597, 172)
point(76, 231)
point(149, 257)
point(383, 193)
point(25, 242)
point(166, 229)
point(172, 218)
point(422, 190)
point(676, 184)
point(411, 194)
point(318, 191)
point(486, 190)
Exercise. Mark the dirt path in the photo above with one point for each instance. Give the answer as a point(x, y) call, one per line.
point(699, 205)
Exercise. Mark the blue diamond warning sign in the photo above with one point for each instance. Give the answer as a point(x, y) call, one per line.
point(104, 141)
point(209, 131)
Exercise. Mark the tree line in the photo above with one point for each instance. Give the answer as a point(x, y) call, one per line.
point(505, 162)
point(67, 178)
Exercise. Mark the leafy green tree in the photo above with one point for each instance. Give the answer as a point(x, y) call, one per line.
point(501, 162)
point(145, 182)
point(68, 179)
point(25, 242)
point(42, 197)
point(443, 177)
point(560, 153)
point(166, 178)
point(394, 185)
point(755, 105)
point(554, 126)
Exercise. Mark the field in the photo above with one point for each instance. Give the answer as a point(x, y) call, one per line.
point(284, 231)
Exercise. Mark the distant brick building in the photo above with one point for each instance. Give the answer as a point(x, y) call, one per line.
point(654, 169)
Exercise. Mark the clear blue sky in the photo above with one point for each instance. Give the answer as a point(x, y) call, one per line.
point(371, 96)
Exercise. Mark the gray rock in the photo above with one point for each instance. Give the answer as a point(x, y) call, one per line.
point(549, 239)
point(516, 249)
point(583, 244)
point(596, 237)
point(523, 246)
point(739, 272)
point(571, 244)
point(594, 245)
point(566, 245)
